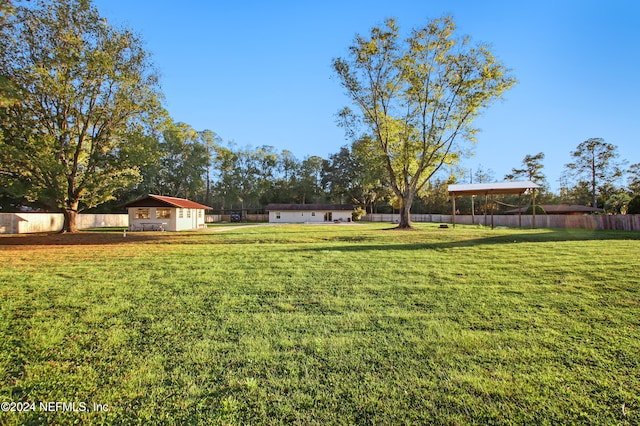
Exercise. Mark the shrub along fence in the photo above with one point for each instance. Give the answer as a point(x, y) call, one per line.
point(627, 222)
point(24, 223)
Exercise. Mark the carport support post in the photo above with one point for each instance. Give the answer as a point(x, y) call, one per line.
point(520, 210)
point(473, 212)
point(533, 196)
point(485, 209)
point(453, 203)
point(491, 211)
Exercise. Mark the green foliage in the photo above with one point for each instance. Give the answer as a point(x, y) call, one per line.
point(634, 205)
point(182, 164)
point(539, 210)
point(595, 162)
point(579, 194)
point(358, 214)
point(617, 202)
point(323, 325)
point(634, 178)
point(416, 99)
point(83, 85)
point(531, 170)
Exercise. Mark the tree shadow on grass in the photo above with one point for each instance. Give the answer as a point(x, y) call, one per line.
point(552, 235)
point(433, 239)
point(80, 238)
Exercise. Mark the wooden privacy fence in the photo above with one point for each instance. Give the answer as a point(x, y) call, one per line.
point(627, 222)
point(25, 223)
point(213, 218)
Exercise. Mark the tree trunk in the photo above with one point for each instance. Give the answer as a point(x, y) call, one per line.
point(70, 215)
point(405, 212)
point(594, 201)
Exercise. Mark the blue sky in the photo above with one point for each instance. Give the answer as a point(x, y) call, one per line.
point(259, 72)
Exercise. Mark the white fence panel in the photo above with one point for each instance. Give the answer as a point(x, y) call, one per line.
point(85, 221)
point(26, 223)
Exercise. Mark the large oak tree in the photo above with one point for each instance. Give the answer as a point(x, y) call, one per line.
point(417, 98)
point(82, 85)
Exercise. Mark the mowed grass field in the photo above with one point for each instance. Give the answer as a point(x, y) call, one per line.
point(322, 325)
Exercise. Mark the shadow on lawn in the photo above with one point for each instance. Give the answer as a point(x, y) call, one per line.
point(515, 238)
point(80, 238)
point(420, 239)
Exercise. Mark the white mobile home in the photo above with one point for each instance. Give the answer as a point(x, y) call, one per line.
point(160, 213)
point(309, 213)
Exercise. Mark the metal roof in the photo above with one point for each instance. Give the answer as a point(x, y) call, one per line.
point(153, 200)
point(492, 188)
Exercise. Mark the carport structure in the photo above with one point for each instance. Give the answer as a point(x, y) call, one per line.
point(491, 189)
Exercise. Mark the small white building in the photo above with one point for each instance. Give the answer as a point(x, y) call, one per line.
point(309, 213)
point(160, 213)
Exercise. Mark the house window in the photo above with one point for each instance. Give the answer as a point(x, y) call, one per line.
point(313, 213)
point(200, 213)
point(180, 213)
point(163, 213)
point(188, 212)
point(143, 213)
point(277, 215)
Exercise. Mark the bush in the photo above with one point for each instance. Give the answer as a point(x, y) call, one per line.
point(358, 213)
point(539, 210)
point(634, 205)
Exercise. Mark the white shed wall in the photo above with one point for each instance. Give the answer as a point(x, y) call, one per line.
point(308, 216)
point(191, 219)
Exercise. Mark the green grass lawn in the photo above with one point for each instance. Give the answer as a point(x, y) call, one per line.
point(323, 325)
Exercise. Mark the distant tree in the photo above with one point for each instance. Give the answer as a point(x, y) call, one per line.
point(579, 194)
point(82, 85)
point(417, 99)
point(183, 163)
point(634, 178)
point(634, 205)
point(595, 162)
point(284, 187)
point(372, 182)
point(434, 198)
point(246, 177)
point(210, 141)
point(310, 180)
point(482, 175)
point(267, 160)
point(339, 174)
point(289, 166)
point(617, 202)
point(530, 170)
point(225, 184)
point(141, 151)
point(355, 175)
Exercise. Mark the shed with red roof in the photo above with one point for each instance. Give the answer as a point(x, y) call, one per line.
point(160, 213)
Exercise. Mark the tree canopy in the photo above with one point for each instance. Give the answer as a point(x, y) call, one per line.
point(82, 85)
point(417, 98)
point(595, 162)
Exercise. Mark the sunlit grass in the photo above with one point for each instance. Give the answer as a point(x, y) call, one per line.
point(325, 324)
